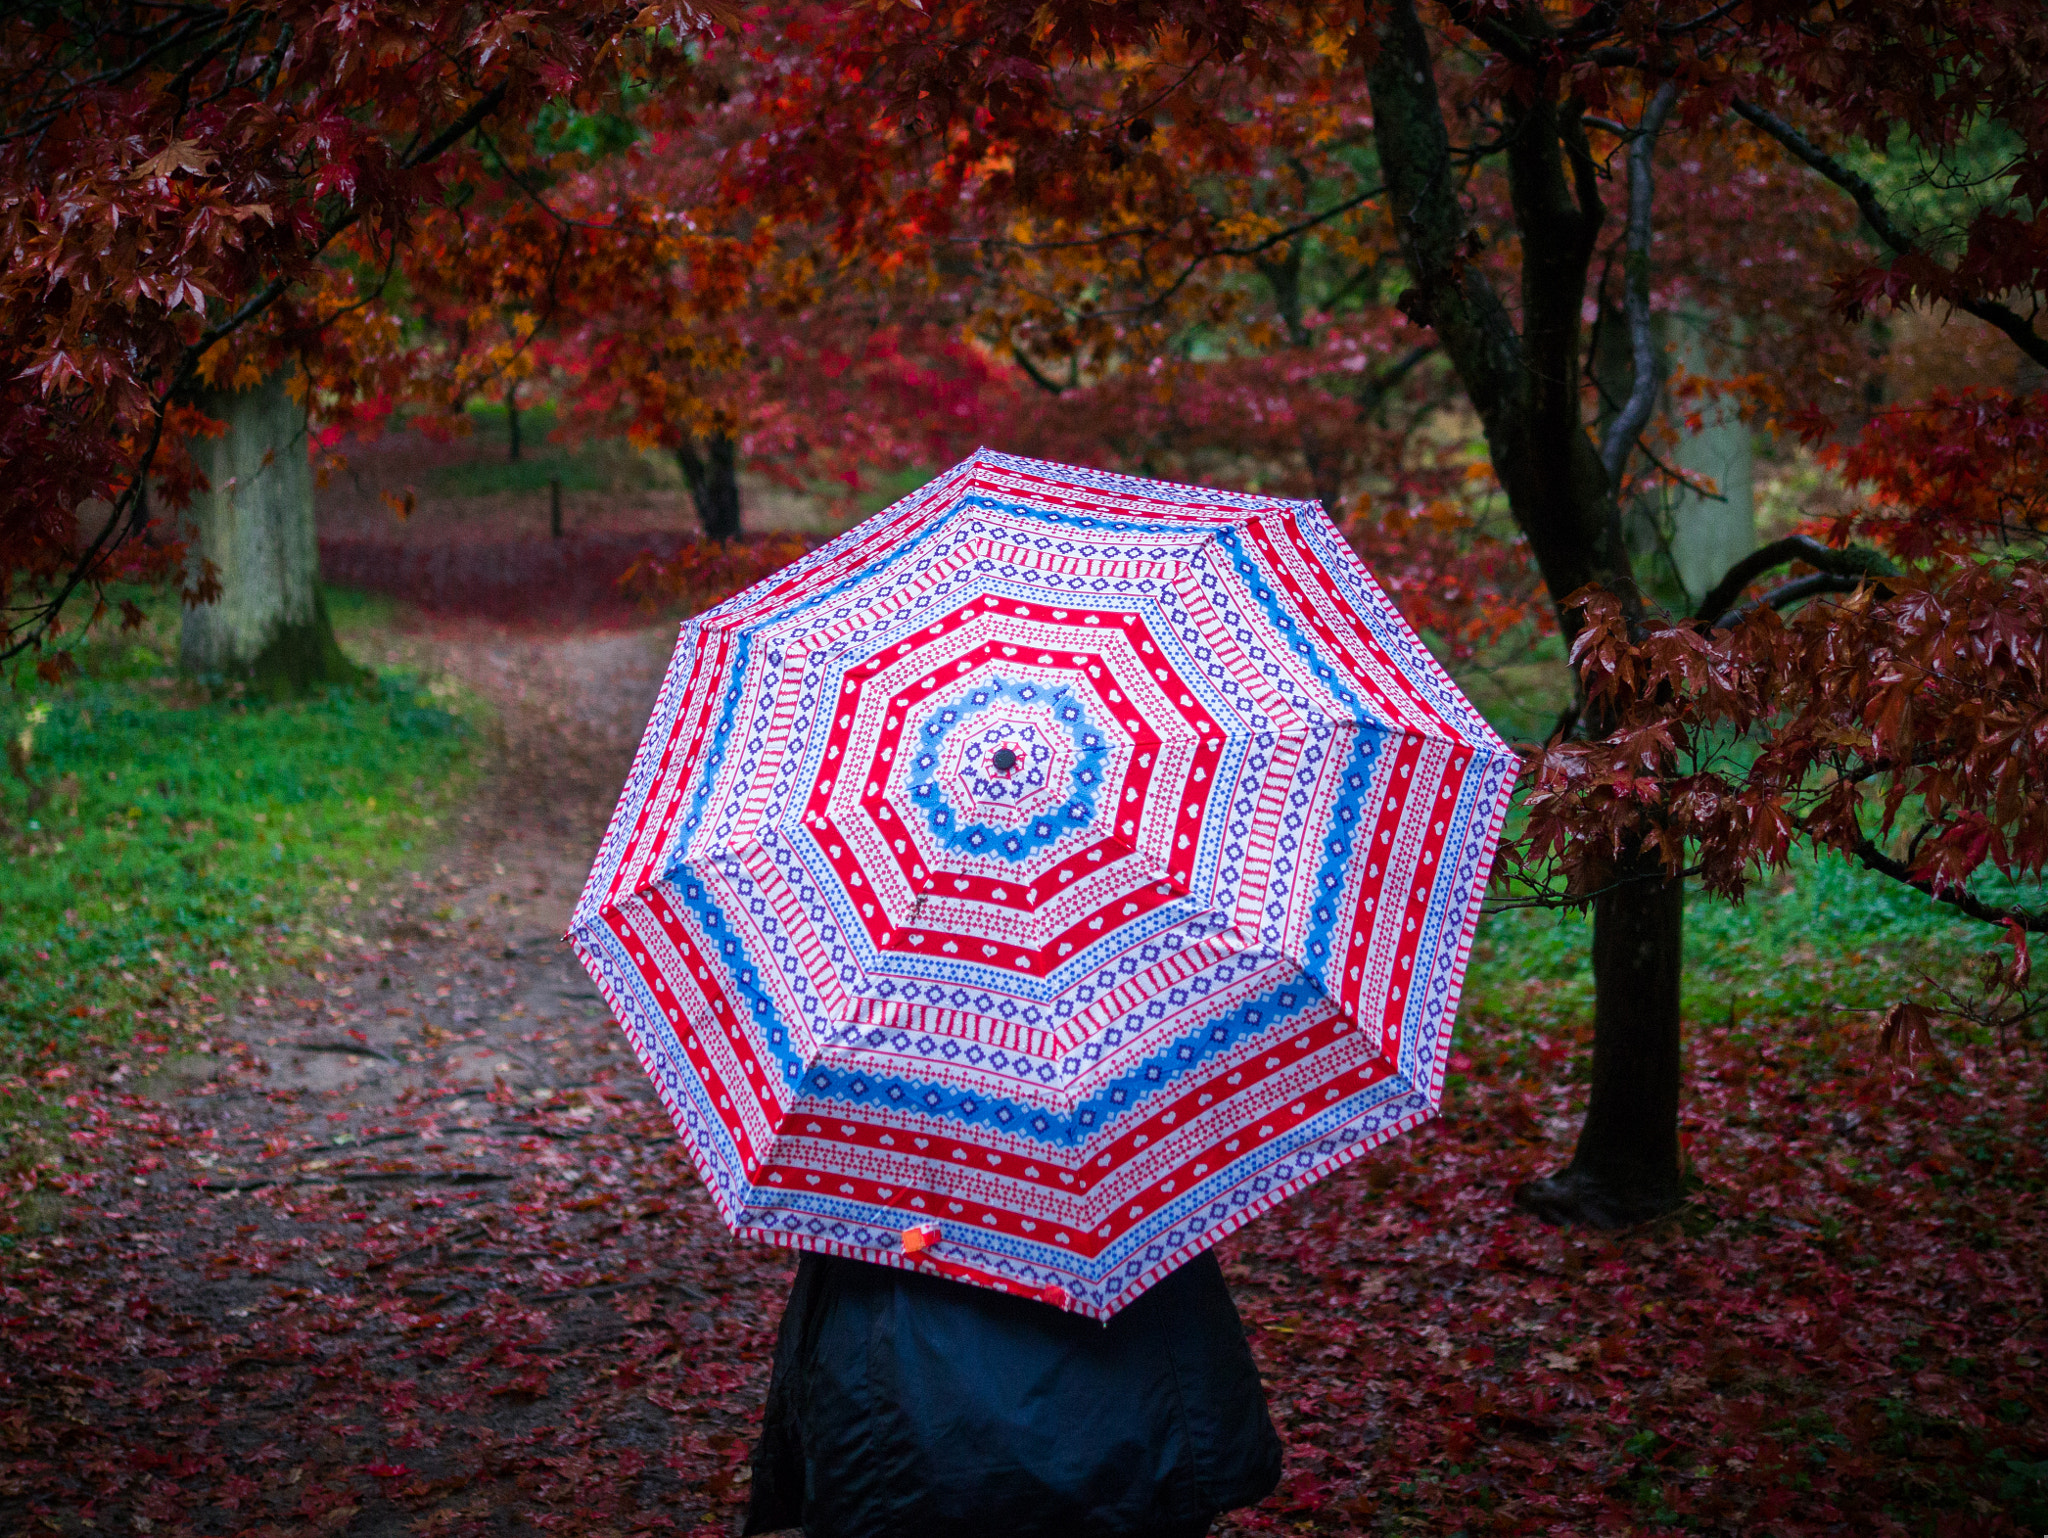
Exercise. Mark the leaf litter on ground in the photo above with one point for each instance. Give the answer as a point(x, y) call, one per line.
point(469, 1284)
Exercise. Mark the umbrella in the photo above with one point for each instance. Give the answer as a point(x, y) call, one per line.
point(1044, 878)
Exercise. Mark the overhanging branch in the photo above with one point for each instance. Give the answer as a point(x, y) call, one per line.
point(1798, 590)
point(1853, 562)
point(1876, 859)
point(1887, 229)
point(1033, 373)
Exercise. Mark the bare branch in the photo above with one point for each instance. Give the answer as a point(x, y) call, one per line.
point(1279, 237)
point(1031, 372)
point(1680, 28)
point(1497, 34)
point(2016, 326)
point(1853, 562)
point(1876, 859)
point(1798, 590)
point(1634, 415)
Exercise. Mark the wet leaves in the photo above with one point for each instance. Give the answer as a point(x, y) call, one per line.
point(1840, 1334)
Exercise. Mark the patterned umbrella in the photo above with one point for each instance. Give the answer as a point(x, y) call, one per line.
point(1044, 878)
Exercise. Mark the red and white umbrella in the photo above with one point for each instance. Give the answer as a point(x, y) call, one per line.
point(1044, 878)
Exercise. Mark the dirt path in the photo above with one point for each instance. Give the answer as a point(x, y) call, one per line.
point(409, 1249)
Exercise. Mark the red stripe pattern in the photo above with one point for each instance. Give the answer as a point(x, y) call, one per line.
point(1045, 878)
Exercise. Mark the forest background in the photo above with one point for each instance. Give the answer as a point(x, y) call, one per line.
point(1675, 368)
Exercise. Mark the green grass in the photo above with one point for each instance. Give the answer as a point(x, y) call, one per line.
point(1823, 934)
point(170, 835)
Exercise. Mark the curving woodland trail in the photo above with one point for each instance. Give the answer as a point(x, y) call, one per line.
point(410, 1249)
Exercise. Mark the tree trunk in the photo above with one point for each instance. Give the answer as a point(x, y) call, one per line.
point(512, 422)
point(269, 626)
point(1524, 381)
point(713, 477)
point(1626, 1167)
point(1709, 536)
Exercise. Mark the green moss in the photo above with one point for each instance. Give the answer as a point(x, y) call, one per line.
point(168, 834)
point(303, 658)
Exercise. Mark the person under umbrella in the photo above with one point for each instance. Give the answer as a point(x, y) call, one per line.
point(1025, 890)
point(904, 1403)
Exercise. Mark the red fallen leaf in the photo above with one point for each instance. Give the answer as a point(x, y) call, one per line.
point(386, 1470)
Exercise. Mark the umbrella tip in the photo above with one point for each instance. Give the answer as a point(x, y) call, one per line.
point(920, 1238)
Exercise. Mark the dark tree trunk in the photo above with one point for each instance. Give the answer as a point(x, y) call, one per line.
point(1626, 1167)
point(713, 477)
point(1525, 383)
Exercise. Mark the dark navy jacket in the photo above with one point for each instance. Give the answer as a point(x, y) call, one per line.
point(906, 1406)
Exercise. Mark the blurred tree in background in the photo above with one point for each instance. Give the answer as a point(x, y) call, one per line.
point(1506, 289)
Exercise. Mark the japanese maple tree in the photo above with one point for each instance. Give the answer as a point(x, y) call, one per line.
point(1526, 161)
point(200, 194)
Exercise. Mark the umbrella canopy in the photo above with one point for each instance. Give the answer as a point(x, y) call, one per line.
point(1044, 878)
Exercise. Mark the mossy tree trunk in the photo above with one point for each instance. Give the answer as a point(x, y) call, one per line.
point(1710, 534)
point(269, 626)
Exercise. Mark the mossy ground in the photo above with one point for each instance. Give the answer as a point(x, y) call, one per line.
point(163, 839)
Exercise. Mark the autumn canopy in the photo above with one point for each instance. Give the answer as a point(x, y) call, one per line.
point(1496, 283)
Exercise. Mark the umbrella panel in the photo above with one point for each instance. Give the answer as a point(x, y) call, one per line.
point(1057, 1020)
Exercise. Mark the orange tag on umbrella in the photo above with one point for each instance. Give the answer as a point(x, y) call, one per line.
point(923, 1237)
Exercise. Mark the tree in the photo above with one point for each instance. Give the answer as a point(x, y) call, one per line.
point(252, 527)
point(195, 190)
point(1630, 858)
point(994, 108)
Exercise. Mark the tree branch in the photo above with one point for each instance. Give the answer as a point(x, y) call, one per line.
point(1634, 415)
point(1397, 371)
point(1876, 859)
point(1854, 562)
point(1787, 594)
point(1258, 248)
point(2013, 324)
point(1497, 34)
point(1031, 372)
